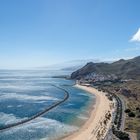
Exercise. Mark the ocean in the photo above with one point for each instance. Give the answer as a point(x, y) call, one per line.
point(24, 93)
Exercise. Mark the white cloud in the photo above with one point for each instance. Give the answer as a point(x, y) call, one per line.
point(136, 36)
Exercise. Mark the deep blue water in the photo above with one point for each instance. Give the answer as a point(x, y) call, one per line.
point(25, 93)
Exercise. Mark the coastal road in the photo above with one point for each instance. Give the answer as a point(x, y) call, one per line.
point(123, 113)
point(66, 96)
point(121, 102)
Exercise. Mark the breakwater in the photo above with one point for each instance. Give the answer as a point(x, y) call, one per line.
point(66, 96)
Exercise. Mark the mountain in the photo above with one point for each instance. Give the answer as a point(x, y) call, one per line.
point(69, 65)
point(124, 69)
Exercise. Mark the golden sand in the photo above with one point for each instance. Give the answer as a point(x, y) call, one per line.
point(97, 125)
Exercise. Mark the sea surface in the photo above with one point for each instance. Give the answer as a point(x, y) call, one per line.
point(23, 93)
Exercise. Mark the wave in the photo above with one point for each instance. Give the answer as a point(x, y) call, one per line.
point(8, 118)
point(23, 97)
point(83, 117)
point(23, 87)
point(40, 128)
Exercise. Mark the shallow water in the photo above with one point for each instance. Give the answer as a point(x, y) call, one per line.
point(25, 93)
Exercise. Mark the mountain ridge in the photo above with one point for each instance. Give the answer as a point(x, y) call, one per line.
point(124, 69)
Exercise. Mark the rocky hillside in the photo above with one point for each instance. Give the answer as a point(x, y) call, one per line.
point(124, 69)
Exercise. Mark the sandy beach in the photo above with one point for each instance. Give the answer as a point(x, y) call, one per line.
point(98, 123)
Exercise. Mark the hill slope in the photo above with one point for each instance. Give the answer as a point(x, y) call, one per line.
point(124, 69)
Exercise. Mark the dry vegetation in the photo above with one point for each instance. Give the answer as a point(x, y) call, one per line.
point(130, 91)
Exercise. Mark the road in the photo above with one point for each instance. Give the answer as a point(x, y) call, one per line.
point(121, 102)
point(123, 114)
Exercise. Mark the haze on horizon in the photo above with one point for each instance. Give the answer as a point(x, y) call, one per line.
point(39, 33)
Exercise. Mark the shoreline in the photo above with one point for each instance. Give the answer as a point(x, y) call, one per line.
point(94, 127)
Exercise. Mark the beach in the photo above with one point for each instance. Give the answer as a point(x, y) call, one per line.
point(99, 121)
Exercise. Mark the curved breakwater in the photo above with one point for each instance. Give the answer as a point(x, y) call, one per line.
point(66, 96)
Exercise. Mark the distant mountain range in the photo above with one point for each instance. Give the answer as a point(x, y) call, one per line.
point(69, 65)
point(124, 69)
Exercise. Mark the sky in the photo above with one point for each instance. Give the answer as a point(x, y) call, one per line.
point(36, 33)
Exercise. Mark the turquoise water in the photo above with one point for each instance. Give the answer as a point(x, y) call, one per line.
point(25, 93)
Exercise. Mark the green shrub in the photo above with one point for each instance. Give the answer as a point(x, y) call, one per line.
point(131, 114)
point(127, 110)
point(121, 135)
point(137, 108)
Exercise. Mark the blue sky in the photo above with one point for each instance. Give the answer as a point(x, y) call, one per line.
point(43, 32)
